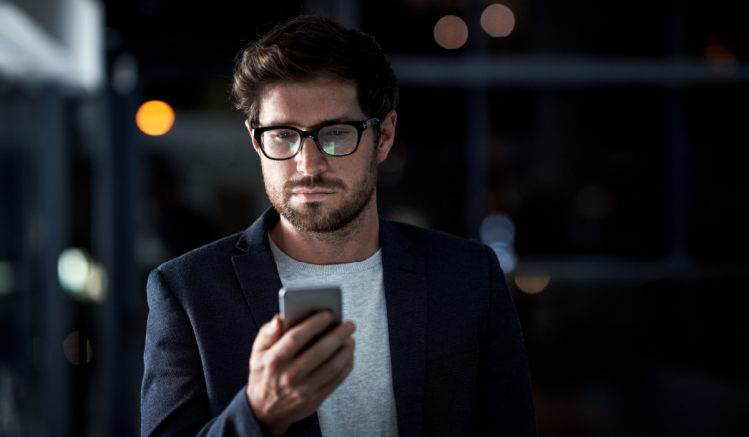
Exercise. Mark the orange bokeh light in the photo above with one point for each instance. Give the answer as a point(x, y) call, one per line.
point(155, 117)
point(532, 284)
point(451, 32)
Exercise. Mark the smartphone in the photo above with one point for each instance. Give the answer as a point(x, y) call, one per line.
point(297, 304)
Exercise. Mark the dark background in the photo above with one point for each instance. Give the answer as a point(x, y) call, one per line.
point(614, 135)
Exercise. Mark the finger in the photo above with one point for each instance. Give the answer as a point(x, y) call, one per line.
point(334, 379)
point(297, 337)
point(324, 350)
point(268, 335)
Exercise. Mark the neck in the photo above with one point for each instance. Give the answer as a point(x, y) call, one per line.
point(355, 242)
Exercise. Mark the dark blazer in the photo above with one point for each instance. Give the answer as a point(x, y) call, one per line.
point(458, 358)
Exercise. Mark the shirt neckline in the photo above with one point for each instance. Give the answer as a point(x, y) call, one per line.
point(284, 261)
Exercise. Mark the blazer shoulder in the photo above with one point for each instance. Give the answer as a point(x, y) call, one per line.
point(204, 256)
point(433, 242)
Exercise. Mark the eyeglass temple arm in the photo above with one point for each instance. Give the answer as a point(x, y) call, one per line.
point(371, 122)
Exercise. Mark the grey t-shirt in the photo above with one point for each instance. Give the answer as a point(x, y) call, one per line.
point(364, 404)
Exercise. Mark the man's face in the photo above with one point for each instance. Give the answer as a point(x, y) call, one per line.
point(312, 191)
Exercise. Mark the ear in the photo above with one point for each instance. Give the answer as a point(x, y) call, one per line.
point(387, 135)
point(254, 142)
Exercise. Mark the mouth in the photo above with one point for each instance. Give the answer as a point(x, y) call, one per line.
point(315, 188)
point(312, 194)
point(312, 191)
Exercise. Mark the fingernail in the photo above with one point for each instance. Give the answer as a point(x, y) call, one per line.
point(325, 316)
point(350, 327)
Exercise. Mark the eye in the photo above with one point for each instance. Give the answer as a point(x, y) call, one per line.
point(282, 135)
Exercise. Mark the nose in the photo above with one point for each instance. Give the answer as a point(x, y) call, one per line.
point(310, 160)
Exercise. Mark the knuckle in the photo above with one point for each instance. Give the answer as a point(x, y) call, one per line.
point(267, 328)
point(296, 338)
point(302, 393)
point(283, 350)
point(285, 380)
point(272, 364)
point(256, 366)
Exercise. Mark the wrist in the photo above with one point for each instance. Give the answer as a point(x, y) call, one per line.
point(270, 428)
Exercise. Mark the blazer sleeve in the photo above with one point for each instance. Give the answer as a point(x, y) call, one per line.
point(174, 399)
point(504, 395)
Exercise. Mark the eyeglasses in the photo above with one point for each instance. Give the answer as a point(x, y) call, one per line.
point(339, 138)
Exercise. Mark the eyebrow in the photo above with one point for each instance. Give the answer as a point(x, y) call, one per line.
point(315, 126)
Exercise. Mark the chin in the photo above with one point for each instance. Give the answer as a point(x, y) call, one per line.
point(319, 218)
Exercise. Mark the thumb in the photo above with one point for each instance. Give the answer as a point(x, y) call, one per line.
point(268, 335)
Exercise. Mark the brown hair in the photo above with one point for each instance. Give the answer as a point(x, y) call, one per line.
point(308, 46)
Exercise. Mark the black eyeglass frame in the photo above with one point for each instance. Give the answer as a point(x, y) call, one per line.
point(360, 126)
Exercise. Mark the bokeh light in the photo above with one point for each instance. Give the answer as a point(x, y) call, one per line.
point(498, 20)
point(7, 279)
point(83, 278)
point(532, 284)
point(72, 350)
point(720, 54)
point(73, 270)
point(155, 117)
point(96, 287)
point(498, 232)
point(451, 32)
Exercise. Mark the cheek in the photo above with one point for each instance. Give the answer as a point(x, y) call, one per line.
point(276, 170)
point(272, 175)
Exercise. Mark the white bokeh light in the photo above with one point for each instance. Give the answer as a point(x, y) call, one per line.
point(73, 270)
point(498, 232)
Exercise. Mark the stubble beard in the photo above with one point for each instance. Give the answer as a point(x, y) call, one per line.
point(314, 217)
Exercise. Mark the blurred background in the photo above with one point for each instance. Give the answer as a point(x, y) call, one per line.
point(598, 147)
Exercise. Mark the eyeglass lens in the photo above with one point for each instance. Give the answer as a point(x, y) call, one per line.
point(338, 139)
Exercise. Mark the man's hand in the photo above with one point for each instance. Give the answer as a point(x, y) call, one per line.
point(285, 385)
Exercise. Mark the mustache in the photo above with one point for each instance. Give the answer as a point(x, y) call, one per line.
point(316, 181)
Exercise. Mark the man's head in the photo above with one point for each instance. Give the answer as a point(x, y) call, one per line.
point(306, 74)
point(305, 47)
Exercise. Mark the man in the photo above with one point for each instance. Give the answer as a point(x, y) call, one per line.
point(438, 346)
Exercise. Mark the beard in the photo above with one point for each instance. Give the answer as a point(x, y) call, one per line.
point(315, 216)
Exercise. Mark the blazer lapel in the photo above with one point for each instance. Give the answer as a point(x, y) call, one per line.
point(258, 276)
point(404, 277)
point(256, 269)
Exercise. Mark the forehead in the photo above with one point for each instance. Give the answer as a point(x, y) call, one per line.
point(307, 103)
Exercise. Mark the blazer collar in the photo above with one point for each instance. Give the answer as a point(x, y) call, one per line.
point(256, 269)
point(258, 276)
point(404, 277)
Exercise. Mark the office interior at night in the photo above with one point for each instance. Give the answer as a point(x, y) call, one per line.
point(598, 147)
